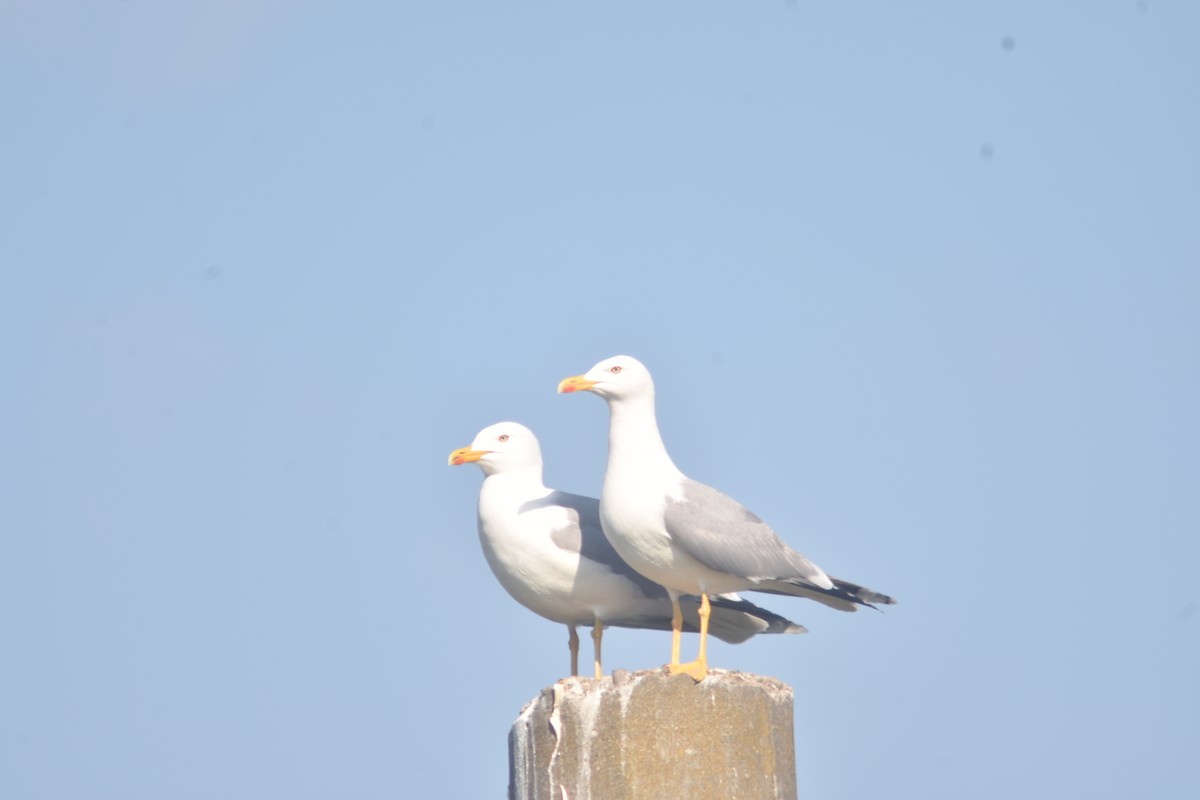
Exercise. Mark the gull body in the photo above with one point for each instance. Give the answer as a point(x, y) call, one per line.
point(641, 484)
point(548, 551)
point(682, 534)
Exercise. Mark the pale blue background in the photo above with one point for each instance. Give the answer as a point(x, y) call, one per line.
point(919, 284)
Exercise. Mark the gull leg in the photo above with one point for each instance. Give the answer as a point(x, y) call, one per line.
point(698, 669)
point(597, 632)
point(573, 644)
point(676, 629)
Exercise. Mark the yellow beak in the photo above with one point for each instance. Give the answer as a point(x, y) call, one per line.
point(465, 455)
point(575, 383)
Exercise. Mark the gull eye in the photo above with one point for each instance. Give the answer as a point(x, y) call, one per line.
point(504, 437)
point(615, 370)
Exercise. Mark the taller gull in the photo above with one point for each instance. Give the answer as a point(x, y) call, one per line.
point(548, 551)
point(681, 534)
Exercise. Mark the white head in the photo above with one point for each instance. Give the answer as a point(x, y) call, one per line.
point(616, 378)
point(502, 447)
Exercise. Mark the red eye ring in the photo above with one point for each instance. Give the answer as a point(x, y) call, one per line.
point(614, 370)
point(504, 437)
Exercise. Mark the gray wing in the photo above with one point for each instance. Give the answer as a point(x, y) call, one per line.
point(585, 537)
point(723, 535)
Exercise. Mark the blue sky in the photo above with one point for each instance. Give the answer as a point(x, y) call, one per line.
point(919, 284)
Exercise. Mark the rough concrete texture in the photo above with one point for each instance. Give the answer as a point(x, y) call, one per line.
point(652, 736)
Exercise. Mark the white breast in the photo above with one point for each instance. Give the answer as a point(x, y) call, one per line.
point(547, 579)
point(523, 557)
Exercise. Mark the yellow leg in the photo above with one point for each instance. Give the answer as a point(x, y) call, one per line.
point(597, 632)
point(573, 643)
point(676, 630)
point(697, 669)
point(705, 612)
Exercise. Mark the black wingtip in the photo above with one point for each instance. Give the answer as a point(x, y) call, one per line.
point(862, 595)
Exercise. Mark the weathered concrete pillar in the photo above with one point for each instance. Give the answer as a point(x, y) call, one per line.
point(651, 736)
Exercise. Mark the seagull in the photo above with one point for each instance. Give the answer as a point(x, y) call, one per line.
point(548, 551)
point(681, 534)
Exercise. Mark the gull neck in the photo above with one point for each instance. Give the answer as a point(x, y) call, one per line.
point(633, 435)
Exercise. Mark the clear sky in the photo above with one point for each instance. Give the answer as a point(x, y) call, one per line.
point(919, 284)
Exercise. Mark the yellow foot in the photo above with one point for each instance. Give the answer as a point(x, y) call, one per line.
point(696, 670)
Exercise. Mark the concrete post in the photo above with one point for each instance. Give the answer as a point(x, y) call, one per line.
point(651, 736)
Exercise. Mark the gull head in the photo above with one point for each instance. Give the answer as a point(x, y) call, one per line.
point(616, 378)
point(499, 448)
